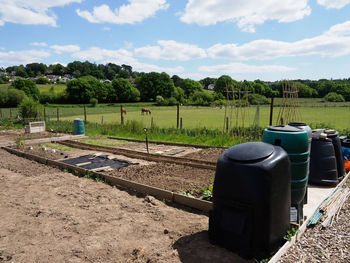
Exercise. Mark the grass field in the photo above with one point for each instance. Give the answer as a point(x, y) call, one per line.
point(211, 118)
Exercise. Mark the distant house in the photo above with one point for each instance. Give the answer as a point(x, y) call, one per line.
point(53, 78)
point(211, 86)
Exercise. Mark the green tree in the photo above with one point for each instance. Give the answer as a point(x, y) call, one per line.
point(223, 84)
point(28, 86)
point(153, 84)
point(207, 81)
point(83, 89)
point(190, 86)
point(123, 89)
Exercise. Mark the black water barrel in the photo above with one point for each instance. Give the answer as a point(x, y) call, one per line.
point(251, 198)
point(323, 163)
point(334, 136)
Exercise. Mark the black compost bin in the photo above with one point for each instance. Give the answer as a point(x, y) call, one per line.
point(334, 136)
point(323, 162)
point(252, 199)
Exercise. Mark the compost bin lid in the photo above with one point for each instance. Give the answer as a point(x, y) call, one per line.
point(250, 151)
point(283, 128)
point(296, 124)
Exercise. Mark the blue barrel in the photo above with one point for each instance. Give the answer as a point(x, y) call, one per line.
point(295, 142)
point(79, 127)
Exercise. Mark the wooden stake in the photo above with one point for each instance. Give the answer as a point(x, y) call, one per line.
point(271, 111)
point(178, 115)
point(121, 114)
point(181, 123)
point(58, 114)
point(85, 117)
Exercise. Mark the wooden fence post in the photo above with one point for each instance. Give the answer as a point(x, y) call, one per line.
point(85, 113)
point(181, 123)
point(102, 119)
point(58, 114)
point(121, 115)
point(10, 113)
point(271, 111)
point(226, 124)
point(44, 113)
point(178, 115)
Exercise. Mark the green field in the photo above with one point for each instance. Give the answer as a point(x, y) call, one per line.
point(211, 118)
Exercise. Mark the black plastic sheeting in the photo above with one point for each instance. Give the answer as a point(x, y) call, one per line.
point(98, 162)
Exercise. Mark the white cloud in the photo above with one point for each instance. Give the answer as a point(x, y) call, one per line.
point(30, 12)
point(334, 42)
point(121, 56)
point(235, 68)
point(38, 44)
point(246, 13)
point(333, 3)
point(22, 57)
point(65, 48)
point(135, 11)
point(171, 50)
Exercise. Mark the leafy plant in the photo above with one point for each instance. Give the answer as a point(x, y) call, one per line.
point(290, 233)
point(20, 142)
point(207, 191)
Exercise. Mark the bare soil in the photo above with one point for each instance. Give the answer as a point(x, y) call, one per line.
point(210, 154)
point(51, 216)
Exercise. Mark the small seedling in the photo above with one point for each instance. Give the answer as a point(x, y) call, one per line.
point(20, 142)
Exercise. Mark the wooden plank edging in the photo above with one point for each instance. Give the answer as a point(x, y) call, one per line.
point(123, 183)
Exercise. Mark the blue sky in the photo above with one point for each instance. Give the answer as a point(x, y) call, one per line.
point(246, 39)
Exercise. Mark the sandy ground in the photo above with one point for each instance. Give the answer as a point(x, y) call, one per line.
point(51, 216)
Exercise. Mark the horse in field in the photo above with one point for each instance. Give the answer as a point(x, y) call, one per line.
point(145, 110)
point(123, 111)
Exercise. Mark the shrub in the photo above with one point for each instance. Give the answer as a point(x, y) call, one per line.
point(93, 102)
point(28, 86)
point(172, 101)
point(42, 81)
point(159, 100)
point(257, 99)
point(334, 97)
point(30, 109)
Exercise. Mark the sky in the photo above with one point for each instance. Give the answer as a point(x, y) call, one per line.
point(268, 40)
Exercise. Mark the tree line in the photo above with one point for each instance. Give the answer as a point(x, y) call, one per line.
point(112, 83)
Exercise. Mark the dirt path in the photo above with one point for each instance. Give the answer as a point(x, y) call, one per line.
point(51, 216)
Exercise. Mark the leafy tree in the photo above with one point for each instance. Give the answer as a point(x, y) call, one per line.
point(135, 94)
point(127, 68)
point(123, 89)
point(123, 74)
point(179, 94)
point(190, 86)
point(28, 86)
point(93, 102)
point(36, 69)
point(207, 81)
point(83, 89)
point(3, 79)
point(153, 84)
point(57, 69)
point(223, 84)
point(177, 80)
point(334, 97)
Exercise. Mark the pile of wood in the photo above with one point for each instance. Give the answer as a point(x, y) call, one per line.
point(330, 208)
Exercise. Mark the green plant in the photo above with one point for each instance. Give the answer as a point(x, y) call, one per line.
point(207, 193)
point(290, 233)
point(93, 102)
point(20, 142)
